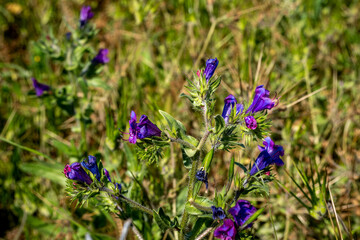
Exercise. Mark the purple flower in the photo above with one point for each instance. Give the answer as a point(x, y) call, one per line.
point(118, 187)
point(77, 173)
point(211, 65)
point(250, 122)
point(68, 36)
point(107, 174)
point(230, 102)
point(201, 175)
point(218, 213)
point(144, 129)
point(85, 15)
point(270, 154)
point(239, 108)
point(101, 57)
point(227, 231)
point(39, 87)
point(241, 212)
point(261, 100)
point(91, 165)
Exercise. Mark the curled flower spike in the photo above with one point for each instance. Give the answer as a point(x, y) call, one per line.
point(91, 165)
point(250, 122)
point(227, 231)
point(261, 100)
point(242, 211)
point(211, 65)
point(77, 173)
point(101, 57)
point(144, 129)
point(218, 213)
point(39, 87)
point(85, 15)
point(107, 174)
point(230, 102)
point(270, 154)
point(201, 175)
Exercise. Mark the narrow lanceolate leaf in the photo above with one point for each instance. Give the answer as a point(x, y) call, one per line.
point(164, 220)
point(208, 159)
point(176, 127)
point(253, 217)
point(231, 169)
point(219, 124)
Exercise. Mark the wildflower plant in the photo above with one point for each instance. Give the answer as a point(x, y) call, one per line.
point(226, 213)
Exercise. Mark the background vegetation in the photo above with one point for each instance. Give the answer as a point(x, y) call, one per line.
point(307, 51)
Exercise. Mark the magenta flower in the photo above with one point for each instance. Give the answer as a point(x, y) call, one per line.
point(270, 154)
point(101, 57)
point(261, 100)
point(77, 173)
point(39, 87)
point(91, 165)
point(211, 65)
point(85, 15)
point(242, 211)
point(250, 122)
point(227, 231)
point(144, 129)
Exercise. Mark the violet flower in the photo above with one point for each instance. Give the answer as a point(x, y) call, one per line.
point(227, 231)
point(270, 154)
point(250, 122)
point(239, 108)
point(101, 57)
point(201, 175)
point(211, 65)
point(218, 213)
point(77, 173)
point(118, 187)
point(261, 100)
point(85, 15)
point(39, 87)
point(107, 174)
point(241, 212)
point(91, 165)
point(144, 129)
point(230, 102)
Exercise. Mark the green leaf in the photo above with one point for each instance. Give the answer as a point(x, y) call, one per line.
point(208, 159)
point(193, 210)
point(253, 217)
point(219, 124)
point(164, 221)
point(241, 166)
point(186, 159)
point(176, 127)
point(231, 169)
point(51, 171)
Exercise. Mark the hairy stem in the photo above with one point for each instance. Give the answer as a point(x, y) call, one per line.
point(186, 144)
point(128, 200)
point(194, 166)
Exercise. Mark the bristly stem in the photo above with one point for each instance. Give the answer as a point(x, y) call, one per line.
point(186, 144)
point(129, 201)
point(194, 166)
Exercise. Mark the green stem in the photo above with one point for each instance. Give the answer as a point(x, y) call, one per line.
point(128, 200)
point(186, 144)
point(136, 205)
point(194, 166)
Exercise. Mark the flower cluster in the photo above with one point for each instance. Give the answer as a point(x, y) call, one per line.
point(77, 172)
point(143, 129)
point(241, 212)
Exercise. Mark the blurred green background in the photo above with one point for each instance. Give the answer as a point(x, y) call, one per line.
point(307, 51)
